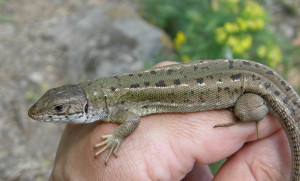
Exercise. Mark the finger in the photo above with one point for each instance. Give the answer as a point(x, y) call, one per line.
point(259, 160)
point(165, 63)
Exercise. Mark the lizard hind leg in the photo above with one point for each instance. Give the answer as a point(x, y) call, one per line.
point(249, 108)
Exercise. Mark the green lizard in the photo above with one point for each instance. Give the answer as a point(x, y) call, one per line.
point(252, 89)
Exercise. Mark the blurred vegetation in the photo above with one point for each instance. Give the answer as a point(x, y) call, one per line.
point(210, 29)
point(3, 17)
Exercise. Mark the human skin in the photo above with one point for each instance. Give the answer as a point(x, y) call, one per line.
point(177, 146)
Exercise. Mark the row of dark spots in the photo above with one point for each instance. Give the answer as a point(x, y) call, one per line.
point(200, 80)
point(277, 93)
point(254, 77)
point(170, 71)
point(134, 85)
point(293, 111)
point(296, 104)
point(235, 77)
point(270, 72)
point(267, 85)
point(153, 72)
point(230, 64)
point(177, 82)
point(287, 88)
point(285, 100)
point(202, 68)
point(131, 75)
point(246, 63)
point(160, 83)
point(146, 83)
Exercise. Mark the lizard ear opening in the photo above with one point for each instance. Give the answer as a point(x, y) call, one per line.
point(86, 108)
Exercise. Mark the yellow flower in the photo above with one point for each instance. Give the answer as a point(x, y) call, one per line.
point(238, 50)
point(274, 56)
point(261, 51)
point(231, 27)
point(185, 58)
point(242, 24)
point(232, 41)
point(260, 24)
point(220, 35)
point(253, 10)
point(240, 45)
point(179, 39)
point(246, 42)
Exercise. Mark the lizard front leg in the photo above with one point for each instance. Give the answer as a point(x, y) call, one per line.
point(128, 122)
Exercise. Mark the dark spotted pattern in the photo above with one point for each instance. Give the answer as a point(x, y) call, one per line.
point(153, 72)
point(277, 93)
point(267, 85)
point(134, 85)
point(199, 80)
point(207, 85)
point(235, 77)
point(230, 64)
point(246, 63)
point(170, 71)
point(177, 81)
point(161, 83)
point(285, 100)
point(146, 83)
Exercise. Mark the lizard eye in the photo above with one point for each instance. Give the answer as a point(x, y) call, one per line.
point(86, 108)
point(58, 108)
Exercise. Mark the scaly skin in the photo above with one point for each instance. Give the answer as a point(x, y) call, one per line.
point(251, 88)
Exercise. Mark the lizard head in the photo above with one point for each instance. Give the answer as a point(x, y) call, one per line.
point(63, 104)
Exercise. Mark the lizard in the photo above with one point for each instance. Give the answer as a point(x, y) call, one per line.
point(250, 89)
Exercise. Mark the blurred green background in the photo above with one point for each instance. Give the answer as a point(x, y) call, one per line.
point(212, 29)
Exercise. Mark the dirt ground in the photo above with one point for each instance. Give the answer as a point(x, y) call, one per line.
point(28, 68)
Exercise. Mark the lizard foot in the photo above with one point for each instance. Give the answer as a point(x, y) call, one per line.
point(112, 143)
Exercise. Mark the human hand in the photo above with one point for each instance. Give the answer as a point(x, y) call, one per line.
point(175, 147)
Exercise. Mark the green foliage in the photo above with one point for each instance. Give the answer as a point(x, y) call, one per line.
point(2, 1)
point(209, 29)
point(4, 18)
point(214, 167)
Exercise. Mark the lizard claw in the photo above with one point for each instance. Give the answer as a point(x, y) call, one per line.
point(110, 143)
